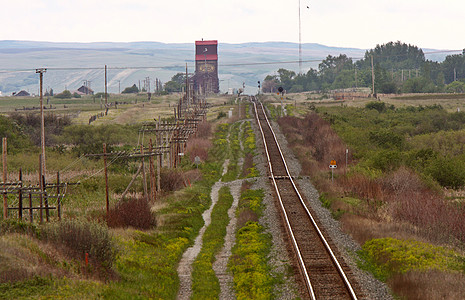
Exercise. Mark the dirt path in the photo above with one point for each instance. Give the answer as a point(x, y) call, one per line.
point(222, 258)
point(220, 266)
point(189, 256)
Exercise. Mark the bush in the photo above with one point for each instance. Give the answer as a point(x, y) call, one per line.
point(64, 95)
point(447, 171)
point(221, 114)
point(376, 105)
point(130, 90)
point(134, 212)
point(81, 237)
point(171, 180)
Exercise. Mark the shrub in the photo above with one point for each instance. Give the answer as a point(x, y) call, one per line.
point(221, 114)
point(447, 171)
point(376, 105)
point(64, 95)
point(14, 225)
point(134, 212)
point(391, 256)
point(198, 147)
point(171, 180)
point(204, 129)
point(81, 237)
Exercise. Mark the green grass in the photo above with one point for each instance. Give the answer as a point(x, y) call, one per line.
point(386, 257)
point(252, 279)
point(234, 152)
point(252, 276)
point(205, 284)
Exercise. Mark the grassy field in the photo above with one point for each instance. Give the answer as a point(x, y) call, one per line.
point(36, 261)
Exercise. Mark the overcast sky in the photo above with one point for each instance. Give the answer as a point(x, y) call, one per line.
point(354, 23)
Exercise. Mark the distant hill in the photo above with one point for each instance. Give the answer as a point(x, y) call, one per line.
point(69, 64)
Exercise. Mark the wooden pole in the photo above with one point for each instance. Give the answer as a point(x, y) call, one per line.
point(47, 212)
point(106, 96)
point(144, 179)
point(41, 185)
point(42, 122)
point(152, 172)
point(20, 195)
point(131, 182)
point(58, 197)
point(5, 172)
point(107, 198)
point(31, 212)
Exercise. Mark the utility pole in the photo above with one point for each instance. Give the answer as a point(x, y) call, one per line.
point(119, 86)
point(300, 44)
point(41, 72)
point(106, 96)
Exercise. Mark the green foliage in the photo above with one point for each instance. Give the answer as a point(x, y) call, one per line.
point(376, 105)
point(390, 60)
point(17, 141)
point(447, 171)
point(130, 90)
point(102, 95)
point(90, 139)
point(386, 138)
point(248, 264)
point(455, 87)
point(419, 137)
point(325, 201)
point(221, 114)
point(387, 256)
point(205, 284)
point(17, 226)
point(252, 199)
point(64, 95)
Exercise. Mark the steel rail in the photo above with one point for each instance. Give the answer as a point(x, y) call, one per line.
point(294, 242)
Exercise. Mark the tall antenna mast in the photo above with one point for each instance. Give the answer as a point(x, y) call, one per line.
point(300, 43)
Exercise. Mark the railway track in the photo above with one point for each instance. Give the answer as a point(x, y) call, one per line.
point(322, 274)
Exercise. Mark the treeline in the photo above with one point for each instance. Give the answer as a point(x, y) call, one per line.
point(397, 67)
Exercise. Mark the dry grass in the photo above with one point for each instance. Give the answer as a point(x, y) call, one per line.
point(23, 257)
point(248, 163)
point(428, 285)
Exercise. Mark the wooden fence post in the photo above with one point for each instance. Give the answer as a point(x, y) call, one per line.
point(41, 185)
point(20, 195)
point(152, 172)
point(106, 177)
point(5, 199)
point(58, 197)
point(144, 179)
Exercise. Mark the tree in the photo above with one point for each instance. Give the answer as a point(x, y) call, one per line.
point(176, 83)
point(130, 90)
point(455, 87)
point(453, 68)
point(285, 78)
point(64, 95)
point(270, 84)
point(330, 67)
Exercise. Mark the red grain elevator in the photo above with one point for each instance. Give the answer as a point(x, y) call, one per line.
point(206, 67)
